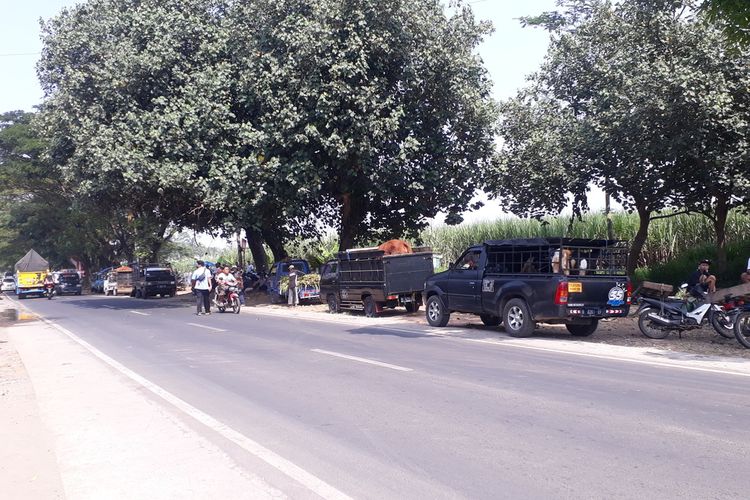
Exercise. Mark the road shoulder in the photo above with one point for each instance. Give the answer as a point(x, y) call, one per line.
point(28, 463)
point(110, 439)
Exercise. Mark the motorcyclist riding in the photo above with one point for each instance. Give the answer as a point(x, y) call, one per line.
point(224, 280)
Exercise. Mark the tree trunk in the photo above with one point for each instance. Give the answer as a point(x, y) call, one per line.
point(352, 214)
point(608, 214)
point(644, 219)
point(274, 240)
point(255, 242)
point(721, 213)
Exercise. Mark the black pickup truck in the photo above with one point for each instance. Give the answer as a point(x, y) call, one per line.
point(521, 282)
point(367, 279)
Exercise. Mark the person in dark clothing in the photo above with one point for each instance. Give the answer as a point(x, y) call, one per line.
point(701, 280)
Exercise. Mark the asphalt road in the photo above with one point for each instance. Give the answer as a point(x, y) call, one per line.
point(391, 412)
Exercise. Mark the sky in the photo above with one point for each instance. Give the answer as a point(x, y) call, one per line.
point(510, 54)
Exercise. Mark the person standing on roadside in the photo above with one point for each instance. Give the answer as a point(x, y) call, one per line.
point(293, 292)
point(745, 277)
point(240, 283)
point(200, 281)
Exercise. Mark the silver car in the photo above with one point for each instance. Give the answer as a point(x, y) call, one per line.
point(9, 285)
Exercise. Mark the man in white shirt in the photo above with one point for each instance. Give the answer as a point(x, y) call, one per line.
point(745, 277)
point(200, 281)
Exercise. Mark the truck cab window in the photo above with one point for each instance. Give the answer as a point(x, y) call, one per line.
point(469, 261)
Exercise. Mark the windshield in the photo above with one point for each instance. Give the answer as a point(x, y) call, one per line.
point(159, 276)
point(69, 278)
point(8, 280)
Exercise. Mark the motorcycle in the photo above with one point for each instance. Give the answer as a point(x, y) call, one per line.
point(742, 324)
point(49, 290)
point(229, 299)
point(657, 318)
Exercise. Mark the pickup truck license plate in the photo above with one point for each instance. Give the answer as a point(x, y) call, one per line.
point(575, 287)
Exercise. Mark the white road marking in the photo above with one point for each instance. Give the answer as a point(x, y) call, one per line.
point(140, 313)
point(363, 360)
point(108, 307)
point(207, 327)
point(308, 480)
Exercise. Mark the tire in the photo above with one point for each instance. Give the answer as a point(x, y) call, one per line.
point(517, 319)
point(578, 330)
point(411, 307)
point(490, 319)
point(222, 309)
point(371, 308)
point(742, 329)
point(723, 325)
point(436, 313)
point(648, 328)
point(236, 306)
point(333, 304)
point(138, 294)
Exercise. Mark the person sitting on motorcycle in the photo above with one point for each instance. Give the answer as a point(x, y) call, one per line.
point(745, 277)
point(701, 281)
point(48, 280)
point(224, 280)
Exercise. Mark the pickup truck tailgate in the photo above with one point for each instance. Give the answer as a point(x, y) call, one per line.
point(595, 295)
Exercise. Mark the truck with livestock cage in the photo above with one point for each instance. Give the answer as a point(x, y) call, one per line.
point(369, 280)
point(520, 282)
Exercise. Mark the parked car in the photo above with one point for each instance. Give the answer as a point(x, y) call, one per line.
point(279, 270)
point(368, 280)
point(150, 280)
point(8, 285)
point(575, 282)
point(68, 283)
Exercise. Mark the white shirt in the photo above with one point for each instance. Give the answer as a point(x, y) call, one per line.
point(201, 285)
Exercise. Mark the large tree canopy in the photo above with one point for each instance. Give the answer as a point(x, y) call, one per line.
point(640, 98)
point(376, 114)
point(280, 116)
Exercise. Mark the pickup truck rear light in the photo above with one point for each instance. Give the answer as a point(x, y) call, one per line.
point(629, 293)
point(561, 294)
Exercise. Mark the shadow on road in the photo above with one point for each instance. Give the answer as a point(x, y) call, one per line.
point(124, 303)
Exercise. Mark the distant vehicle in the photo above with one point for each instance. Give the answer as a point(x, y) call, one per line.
point(30, 272)
point(8, 285)
point(366, 279)
point(68, 283)
point(575, 282)
point(280, 270)
point(98, 279)
point(150, 280)
point(119, 281)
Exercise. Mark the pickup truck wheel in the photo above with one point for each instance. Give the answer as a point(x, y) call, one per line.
point(517, 319)
point(411, 307)
point(583, 330)
point(489, 319)
point(437, 314)
point(370, 307)
point(333, 304)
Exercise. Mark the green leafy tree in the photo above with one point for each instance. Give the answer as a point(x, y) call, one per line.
point(633, 109)
point(373, 115)
point(733, 15)
point(138, 110)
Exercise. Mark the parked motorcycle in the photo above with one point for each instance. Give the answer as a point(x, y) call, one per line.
point(229, 299)
point(657, 318)
point(49, 290)
point(742, 325)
